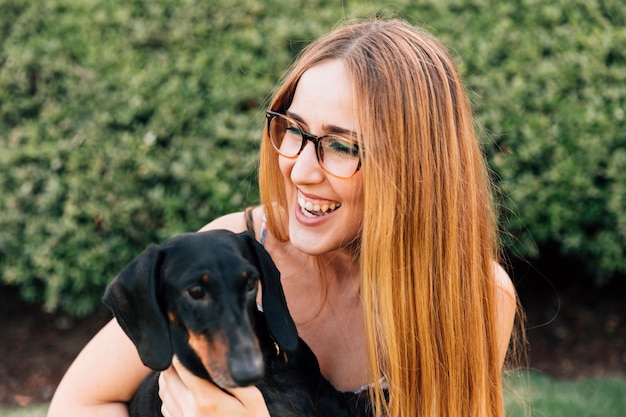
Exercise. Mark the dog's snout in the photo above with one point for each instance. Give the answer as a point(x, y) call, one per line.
point(248, 371)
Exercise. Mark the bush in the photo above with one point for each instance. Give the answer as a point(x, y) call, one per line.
point(122, 123)
point(549, 80)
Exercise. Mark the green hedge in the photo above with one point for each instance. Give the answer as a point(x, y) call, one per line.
point(550, 84)
point(124, 122)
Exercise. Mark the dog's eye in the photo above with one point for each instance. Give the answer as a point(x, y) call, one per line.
point(196, 292)
point(251, 283)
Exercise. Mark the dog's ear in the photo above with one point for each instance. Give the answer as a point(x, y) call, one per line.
point(279, 321)
point(133, 299)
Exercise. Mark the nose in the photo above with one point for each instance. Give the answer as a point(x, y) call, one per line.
point(247, 369)
point(306, 167)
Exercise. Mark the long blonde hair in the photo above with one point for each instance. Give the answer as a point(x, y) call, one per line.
point(429, 241)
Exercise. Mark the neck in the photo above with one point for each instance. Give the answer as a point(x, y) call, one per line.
point(312, 282)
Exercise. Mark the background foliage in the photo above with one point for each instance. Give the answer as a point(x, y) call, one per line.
point(124, 122)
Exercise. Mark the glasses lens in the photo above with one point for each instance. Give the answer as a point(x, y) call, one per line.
point(286, 136)
point(340, 156)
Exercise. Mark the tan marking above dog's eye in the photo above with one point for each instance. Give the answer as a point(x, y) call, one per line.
point(205, 277)
point(172, 317)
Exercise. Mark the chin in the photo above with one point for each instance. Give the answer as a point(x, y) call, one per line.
point(317, 243)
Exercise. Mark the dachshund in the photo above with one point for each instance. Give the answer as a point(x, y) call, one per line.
point(195, 296)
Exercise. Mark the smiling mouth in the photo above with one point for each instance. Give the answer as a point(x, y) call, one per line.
point(310, 209)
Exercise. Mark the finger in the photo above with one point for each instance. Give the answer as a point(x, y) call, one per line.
point(163, 395)
point(173, 392)
point(200, 394)
point(197, 396)
point(196, 384)
point(250, 397)
point(166, 401)
point(192, 382)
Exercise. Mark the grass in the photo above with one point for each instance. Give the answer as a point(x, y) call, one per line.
point(537, 395)
point(38, 410)
point(528, 395)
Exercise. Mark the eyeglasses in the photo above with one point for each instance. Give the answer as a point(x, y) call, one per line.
point(336, 154)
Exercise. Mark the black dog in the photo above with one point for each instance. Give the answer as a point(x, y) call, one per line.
point(195, 296)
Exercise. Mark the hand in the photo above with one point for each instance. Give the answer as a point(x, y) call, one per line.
point(185, 395)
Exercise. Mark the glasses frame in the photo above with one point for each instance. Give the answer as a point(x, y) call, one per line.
point(306, 137)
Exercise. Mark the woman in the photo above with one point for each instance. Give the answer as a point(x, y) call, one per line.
point(377, 211)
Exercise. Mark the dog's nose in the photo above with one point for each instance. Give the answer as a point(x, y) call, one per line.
point(247, 371)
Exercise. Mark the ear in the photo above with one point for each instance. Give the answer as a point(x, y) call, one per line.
point(279, 321)
point(133, 298)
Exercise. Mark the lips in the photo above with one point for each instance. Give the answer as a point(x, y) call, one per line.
point(316, 208)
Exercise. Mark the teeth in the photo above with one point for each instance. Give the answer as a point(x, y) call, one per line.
point(308, 208)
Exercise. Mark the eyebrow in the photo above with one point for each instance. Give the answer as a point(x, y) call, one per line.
point(327, 128)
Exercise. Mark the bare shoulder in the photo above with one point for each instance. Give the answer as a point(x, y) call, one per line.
point(504, 285)
point(506, 299)
point(235, 222)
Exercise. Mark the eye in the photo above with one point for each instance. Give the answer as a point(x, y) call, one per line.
point(251, 283)
point(340, 146)
point(293, 128)
point(293, 133)
point(196, 292)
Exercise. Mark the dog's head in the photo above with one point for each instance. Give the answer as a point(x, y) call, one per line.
point(194, 296)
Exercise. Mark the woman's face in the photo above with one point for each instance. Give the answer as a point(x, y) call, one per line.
point(325, 212)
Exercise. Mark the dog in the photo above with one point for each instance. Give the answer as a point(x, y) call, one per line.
point(195, 296)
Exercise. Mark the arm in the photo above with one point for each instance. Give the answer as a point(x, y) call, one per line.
point(102, 378)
